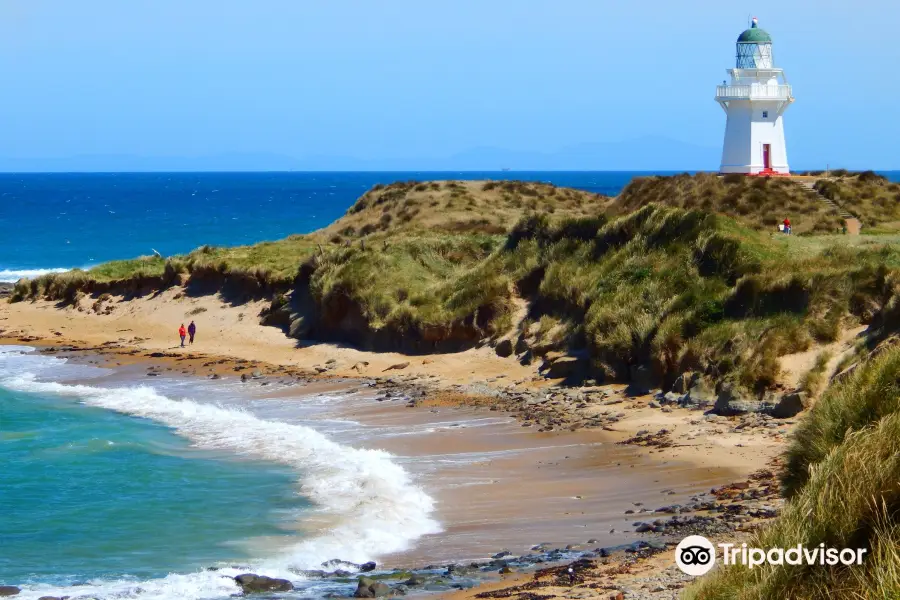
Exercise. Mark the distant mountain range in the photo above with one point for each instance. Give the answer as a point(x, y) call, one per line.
point(643, 154)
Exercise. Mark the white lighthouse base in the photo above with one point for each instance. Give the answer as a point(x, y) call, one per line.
point(754, 139)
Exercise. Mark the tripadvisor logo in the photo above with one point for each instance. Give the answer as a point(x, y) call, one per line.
point(696, 555)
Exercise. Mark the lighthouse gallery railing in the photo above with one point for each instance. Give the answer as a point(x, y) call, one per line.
point(753, 91)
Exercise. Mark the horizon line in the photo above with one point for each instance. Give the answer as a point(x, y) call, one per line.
point(461, 171)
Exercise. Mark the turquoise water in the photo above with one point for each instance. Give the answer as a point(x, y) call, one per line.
point(111, 488)
point(88, 493)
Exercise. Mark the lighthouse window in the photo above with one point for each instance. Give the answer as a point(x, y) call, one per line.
point(765, 114)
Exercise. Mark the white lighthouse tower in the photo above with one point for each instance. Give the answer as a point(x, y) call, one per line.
point(754, 100)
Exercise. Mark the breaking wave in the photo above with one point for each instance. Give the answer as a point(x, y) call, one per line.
point(370, 503)
point(13, 275)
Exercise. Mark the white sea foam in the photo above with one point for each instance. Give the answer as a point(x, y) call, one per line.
point(13, 275)
point(193, 586)
point(371, 503)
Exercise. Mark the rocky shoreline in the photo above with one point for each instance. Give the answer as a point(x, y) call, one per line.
point(632, 417)
point(725, 513)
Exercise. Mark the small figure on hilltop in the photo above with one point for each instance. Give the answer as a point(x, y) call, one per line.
point(192, 329)
point(182, 333)
point(787, 226)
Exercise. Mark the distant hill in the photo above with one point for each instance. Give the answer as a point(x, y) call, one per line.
point(643, 154)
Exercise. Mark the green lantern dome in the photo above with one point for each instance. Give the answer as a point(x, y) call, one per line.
point(754, 35)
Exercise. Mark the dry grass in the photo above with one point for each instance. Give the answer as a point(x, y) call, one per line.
point(489, 207)
point(869, 197)
point(435, 280)
point(758, 202)
point(814, 380)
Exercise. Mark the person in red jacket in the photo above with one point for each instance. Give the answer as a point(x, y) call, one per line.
point(182, 332)
point(787, 225)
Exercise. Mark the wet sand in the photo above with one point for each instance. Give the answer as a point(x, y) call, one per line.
point(500, 486)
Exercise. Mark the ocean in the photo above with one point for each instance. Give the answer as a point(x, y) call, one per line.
point(67, 220)
point(110, 489)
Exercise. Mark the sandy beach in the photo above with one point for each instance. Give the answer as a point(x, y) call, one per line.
point(604, 459)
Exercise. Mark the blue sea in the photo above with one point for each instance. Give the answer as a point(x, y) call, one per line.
point(60, 221)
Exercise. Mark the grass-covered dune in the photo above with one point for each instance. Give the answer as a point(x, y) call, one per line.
point(757, 201)
point(842, 481)
point(490, 207)
point(764, 202)
point(652, 281)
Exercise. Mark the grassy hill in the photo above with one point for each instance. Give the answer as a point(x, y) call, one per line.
point(490, 207)
point(757, 201)
point(652, 279)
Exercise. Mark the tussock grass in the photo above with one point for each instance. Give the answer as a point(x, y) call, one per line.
point(850, 501)
point(870, 394)
point(486, 207)
point(268, 265)
point(279, 259)
point(843, 484)
point(684, 290)
point(435, 280)
point(813, 380)
point(756, 201)
point(144, 266)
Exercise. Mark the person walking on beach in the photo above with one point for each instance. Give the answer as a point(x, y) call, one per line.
point(182, 333)
point(192, 329)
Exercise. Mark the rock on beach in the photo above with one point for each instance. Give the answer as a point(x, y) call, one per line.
point(254, 584)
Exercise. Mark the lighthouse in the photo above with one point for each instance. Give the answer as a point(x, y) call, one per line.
point(754, 100)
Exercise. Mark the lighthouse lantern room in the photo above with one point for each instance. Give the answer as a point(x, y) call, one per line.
point(754, 101)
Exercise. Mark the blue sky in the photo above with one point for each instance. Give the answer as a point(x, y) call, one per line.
point(393, 79)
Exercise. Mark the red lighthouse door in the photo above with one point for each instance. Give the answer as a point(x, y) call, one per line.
point(767, 157)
